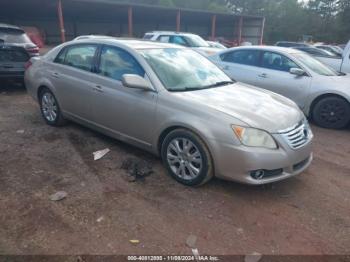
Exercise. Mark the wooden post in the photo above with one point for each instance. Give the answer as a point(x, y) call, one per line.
point(240, 26)
point(213, 27)
point(178, 21)
point(262, 31)
point(61, 21)
point(130, 22)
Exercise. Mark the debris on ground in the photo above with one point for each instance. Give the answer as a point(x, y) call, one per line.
point(195, 252)
point(21, 131)
point(134, 241)
point(100, 219)
point(191, 241)
point(240, 230)
point(254, 257)
point(58, 196)
point(101, 153)
point(136, 169)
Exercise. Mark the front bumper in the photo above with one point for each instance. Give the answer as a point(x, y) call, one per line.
point(237, 162)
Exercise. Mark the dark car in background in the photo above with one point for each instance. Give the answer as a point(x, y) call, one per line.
point(13, 60)
point(13, 35)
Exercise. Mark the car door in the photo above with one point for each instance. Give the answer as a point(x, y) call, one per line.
point(72, 78)
point(127, 112)
point(275, 76)
point(241, 65)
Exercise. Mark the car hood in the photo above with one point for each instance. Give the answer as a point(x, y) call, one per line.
point(260, 109)
point(207, 51)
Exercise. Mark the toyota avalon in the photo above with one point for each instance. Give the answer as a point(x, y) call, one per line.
point(175, 103)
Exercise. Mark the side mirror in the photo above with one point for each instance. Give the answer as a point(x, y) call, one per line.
point(136, 81)
point(297, 71)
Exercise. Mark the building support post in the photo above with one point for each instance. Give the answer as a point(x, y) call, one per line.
point(213, 27)
point(178, 21)
point(130, 22)
point(61, 21)
point(240, 29)
point(262, 31)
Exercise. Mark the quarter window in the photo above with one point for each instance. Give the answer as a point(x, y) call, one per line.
point(244, 57)
point(115, 62)
point(278, 62)
point(81, 57)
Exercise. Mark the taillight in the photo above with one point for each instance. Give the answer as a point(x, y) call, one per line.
point(33, 50)
point(27, 65)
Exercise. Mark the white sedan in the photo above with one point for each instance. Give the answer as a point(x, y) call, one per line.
point(322, 93)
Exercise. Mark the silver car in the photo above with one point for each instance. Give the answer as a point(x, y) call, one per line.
point(322, 93)
point(175, 103)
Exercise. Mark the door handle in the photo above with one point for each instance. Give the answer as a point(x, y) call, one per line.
point(55, 75)
point(226, 67)
point(98, 89)
point(263, 75)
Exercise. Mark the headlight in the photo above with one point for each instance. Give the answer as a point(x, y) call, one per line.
point(254, 137)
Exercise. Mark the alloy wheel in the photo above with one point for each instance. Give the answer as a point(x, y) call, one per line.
point(184, 158)
point(49, 107)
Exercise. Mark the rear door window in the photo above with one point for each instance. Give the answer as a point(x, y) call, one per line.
point(179, 40)
point(80, 56)
point(115, 62)
point(164, 38)
point(277, 61)
point(243, 57)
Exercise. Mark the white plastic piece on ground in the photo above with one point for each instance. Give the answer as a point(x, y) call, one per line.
point(195, 252)
point(99, 154)
point(58, 196)
point(21, 131)
point(254, 257)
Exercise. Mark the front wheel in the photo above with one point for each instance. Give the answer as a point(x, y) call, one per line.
point(331, 112)
point(50, 109)
point(187, 158)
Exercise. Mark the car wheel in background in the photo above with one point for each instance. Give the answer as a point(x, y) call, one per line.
point(187, 158)
point(50, 109)
point(331, 112)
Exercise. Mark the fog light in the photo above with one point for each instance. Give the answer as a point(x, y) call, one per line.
point(258, 174)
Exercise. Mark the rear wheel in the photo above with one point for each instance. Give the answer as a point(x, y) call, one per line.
point(50, 109)
point(331, 112)
point(187, 158)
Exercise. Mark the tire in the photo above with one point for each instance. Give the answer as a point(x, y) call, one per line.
point(50, 110)
point(187, 158)
point(331, 112)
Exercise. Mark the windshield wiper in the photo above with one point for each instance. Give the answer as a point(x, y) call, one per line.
point(196, 88)
point(221, 83)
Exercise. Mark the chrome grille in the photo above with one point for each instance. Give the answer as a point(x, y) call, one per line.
point(297, 136)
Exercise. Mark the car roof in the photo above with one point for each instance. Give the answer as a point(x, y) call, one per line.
point(7, 26)
point(169, 33)
point(266, 48)
point(131, 43)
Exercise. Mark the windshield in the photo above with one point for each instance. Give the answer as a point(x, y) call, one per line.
point(315, 65)
point(184, 69)
point(14, 36)
point(196, 41)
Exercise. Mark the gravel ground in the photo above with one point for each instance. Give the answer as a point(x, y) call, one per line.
point(104, 210)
